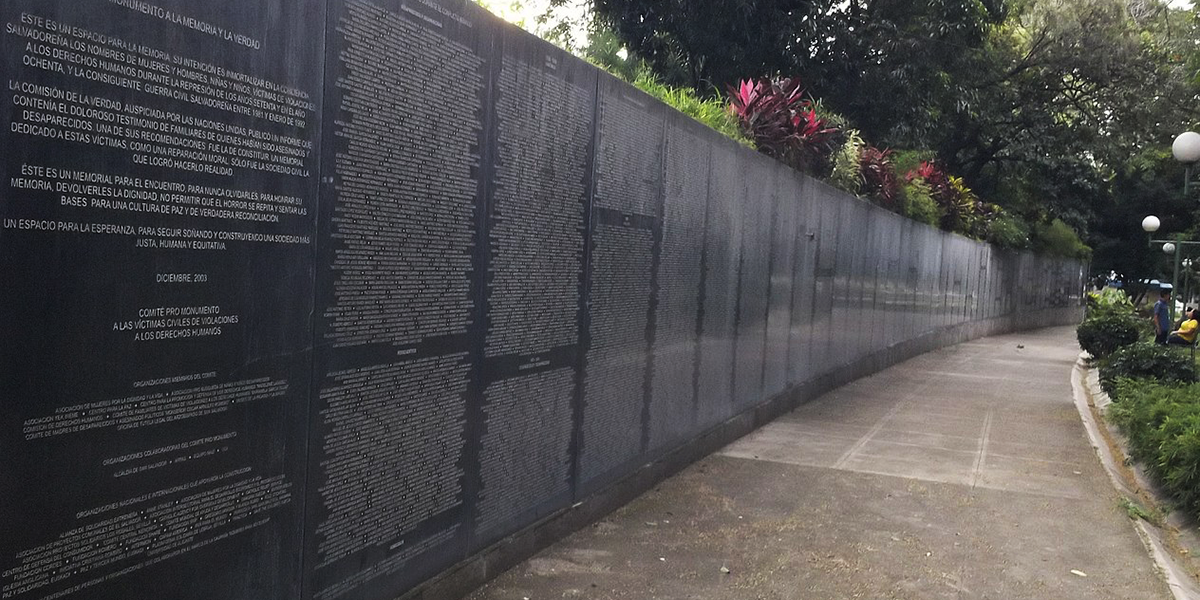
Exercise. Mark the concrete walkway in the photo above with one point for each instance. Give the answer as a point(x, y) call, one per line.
point(964, 473)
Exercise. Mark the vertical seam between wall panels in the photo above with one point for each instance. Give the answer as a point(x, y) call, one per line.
point(585, 303)
point(775, 201)
point(702, 298)
point(737, 312)
point(789, 363)
point(313, 381)
point(872, 230)
point(837, 225)
point(657, 234)
point(476, 414)
point(814, 248)
point(816, 370)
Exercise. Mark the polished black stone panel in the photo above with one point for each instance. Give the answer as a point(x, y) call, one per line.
point(157, 230)
point(754, 281)
point(780, 300)
point(907, 281)
point(673, 393)
point(849, 239)
point(977, 275)
point(917, 250)
point(397, 411)
point(963, 278)
point(874, 262)
point(931, 296)
point(626, 240)
point(544, 126)
point(953, 279)
point(722, 260)
point(895, 294)
point(884, 259)
point(800, 346)
point(861, 281)
point(943, 310)
point(825, 211)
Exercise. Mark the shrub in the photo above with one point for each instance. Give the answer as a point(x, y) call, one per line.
point(832, 119)
point(1146, 361)
point(1109, 301)
point(764, 112)
point(847, 168)
point(1101, 335)
point(905, 161)
point(963, 211)
point(931, 173)
point(1057, 238)
point(1008, 231)
point(713, 112)
point(954, 199)
point(782, 123)
point(879, 177)
point(919, 204)
point(1162, 423)
point(812, 142)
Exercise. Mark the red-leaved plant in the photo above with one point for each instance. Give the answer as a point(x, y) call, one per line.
point(938, 180)
point(941, 190)
point(879, 177)
point(962, 210)
point(782, 122)
point(764, 110)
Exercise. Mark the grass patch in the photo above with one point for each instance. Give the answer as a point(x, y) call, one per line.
point(1135, 511)
point(713, 112)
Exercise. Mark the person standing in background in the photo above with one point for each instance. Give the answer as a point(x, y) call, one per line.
point(1162, 317)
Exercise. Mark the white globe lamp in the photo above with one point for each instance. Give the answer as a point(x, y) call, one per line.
point(1187, 151)
point(1168, 248)
point(1151, 224)
point(1187, 147)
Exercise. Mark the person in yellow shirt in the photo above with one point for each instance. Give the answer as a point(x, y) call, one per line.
point(1186, 334)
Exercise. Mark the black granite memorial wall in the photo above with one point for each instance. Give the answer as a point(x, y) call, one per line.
point(317, 299)
point(160, 177)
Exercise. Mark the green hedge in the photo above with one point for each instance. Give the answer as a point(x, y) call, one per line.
point(1145, 361)
point(1162, 422)
point(919, 204)
point(1104, 333)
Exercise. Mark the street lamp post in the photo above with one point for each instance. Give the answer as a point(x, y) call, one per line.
point(1187, 151)
point(1176, 249)
point(1150, 225)
point(1187, 282)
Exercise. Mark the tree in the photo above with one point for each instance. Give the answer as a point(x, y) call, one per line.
point(882, 62)
point(705, 44)
point(1061, 99)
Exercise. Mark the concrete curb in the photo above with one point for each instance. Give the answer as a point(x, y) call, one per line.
point(1090, 401)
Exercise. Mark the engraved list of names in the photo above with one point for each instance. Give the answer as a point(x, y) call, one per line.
point(544, 110)
point(395, 294)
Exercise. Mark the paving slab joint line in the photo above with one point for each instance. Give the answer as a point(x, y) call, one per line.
point(901, 404)
point(982, 455)
point(1182, 586)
